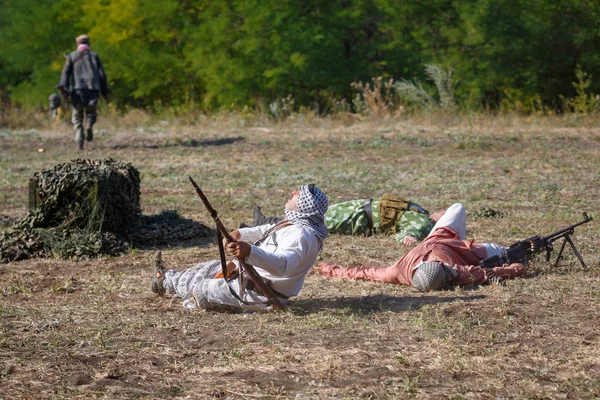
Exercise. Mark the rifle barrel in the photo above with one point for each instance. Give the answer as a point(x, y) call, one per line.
point(211, 211)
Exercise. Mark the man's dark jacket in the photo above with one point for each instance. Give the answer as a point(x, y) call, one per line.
point(85, 69)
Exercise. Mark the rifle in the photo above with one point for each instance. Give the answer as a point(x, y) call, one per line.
point(246, 270)
point(524, 250)
point(63, 90)
point(65, 94)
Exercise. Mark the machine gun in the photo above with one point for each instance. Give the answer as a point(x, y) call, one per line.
point(524, 250)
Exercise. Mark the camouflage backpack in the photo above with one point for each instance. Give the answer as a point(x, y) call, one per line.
point(391, 208)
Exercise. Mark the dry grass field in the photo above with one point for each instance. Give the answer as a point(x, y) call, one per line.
point(91, 329)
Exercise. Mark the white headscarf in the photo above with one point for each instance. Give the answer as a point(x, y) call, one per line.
point(310, 211)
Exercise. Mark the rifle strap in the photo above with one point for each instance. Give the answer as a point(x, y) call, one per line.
point(278, 226)
point(247, 284)
point(223, 273)
point(250, 285)
point(222, 253)
point(80, 57)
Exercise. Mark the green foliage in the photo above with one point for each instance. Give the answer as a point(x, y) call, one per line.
point(253, 53)
point(142, 44)
point(515, 55)
point(583, 102)
point(31, 37)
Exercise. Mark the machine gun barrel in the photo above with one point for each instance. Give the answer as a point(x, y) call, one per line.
point(568, 230)
point(523, 250)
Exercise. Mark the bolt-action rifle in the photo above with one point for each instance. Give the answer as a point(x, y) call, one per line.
point(247, 270)
point(65, 94)
point(524, 250)
point(63, 90)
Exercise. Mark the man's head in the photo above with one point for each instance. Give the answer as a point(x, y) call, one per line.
point(307, 207)
point(307, 199)
point(433, 275)
point(82, 39)
point(292, 203)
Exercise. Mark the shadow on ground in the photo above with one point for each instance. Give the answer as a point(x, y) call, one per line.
point(177, 244)
point(168, 229)
point(373, 304)
point(182, 143)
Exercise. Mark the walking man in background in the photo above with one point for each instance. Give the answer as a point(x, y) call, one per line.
point(82, 81)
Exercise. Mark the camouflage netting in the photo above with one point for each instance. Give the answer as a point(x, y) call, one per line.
point(89, 208)
point(95, 195)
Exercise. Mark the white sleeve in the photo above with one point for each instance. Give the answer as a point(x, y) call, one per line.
point(254, 233)
point(284, 260)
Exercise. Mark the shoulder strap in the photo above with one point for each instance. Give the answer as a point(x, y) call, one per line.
point(80, 57)
point(278, 226)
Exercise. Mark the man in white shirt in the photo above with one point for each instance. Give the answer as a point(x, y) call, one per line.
point(282, 254)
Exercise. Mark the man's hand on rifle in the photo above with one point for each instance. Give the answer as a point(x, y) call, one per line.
point(65, 93)
point(239, 249)
point(489, 272)
point(234, 234)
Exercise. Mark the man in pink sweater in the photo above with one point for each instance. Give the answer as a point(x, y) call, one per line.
point(444, 258)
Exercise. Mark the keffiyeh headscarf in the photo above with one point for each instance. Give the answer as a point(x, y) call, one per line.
point(310, 211)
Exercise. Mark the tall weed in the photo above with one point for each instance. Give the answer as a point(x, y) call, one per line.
point(414, 93)
point(282, 108)
point(374, 98)
point(442, 78)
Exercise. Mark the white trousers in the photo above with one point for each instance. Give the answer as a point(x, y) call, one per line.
point(198, 289)
point(455, 218)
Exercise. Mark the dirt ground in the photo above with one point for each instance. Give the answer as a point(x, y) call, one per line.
point(92, 329)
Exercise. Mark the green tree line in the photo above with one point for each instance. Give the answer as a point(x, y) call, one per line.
point(231, 53)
